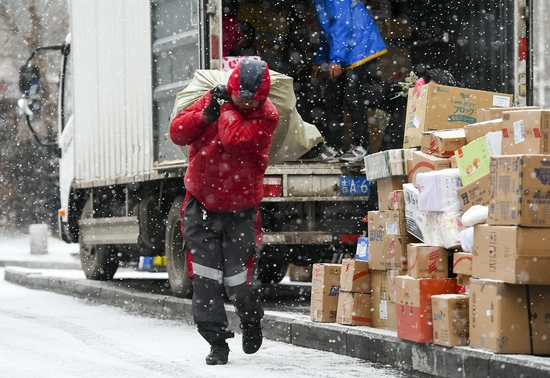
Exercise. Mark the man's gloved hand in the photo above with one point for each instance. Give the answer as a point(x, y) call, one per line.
point(219, 96)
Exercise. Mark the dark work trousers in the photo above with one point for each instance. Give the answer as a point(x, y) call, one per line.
point(222, 260)
point(347, 93)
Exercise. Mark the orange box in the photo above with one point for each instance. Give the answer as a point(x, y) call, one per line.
point(414, 305)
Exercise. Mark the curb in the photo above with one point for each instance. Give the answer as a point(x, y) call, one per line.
point(371, 344)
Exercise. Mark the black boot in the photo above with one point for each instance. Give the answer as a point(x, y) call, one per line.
point(219, 351)
point(252, 337)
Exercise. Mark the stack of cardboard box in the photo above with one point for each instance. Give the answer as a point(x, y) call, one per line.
point(354, 299)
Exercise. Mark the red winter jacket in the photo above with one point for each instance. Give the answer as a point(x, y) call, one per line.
point(228, 158)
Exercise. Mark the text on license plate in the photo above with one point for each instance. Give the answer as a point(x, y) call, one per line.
point(354, 186)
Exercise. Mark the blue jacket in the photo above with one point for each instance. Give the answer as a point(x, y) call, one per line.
point(348, 34)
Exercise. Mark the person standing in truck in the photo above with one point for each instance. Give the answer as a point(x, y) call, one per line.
point(349, 39)
point(229, 131)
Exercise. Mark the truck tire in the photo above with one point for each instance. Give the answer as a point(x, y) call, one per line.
point(176, 266)
point(99, 261)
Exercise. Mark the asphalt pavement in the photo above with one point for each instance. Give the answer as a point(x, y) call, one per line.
point(59, 271)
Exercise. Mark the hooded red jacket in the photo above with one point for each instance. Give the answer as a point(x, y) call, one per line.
point(228, 158)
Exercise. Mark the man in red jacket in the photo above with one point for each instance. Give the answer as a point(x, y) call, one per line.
point(229, 131)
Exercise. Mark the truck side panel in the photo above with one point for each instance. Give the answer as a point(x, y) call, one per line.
point(112, 89)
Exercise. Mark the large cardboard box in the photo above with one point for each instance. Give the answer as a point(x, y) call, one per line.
point(389, 185)
point(475, 193)
point(442, 143)
point(508, 318)
point(393, 255)
point(325, 285)
point(414, 305)
point(462, 263)
point(383, 309)
point(480, 129)
point(520, 190)
point(422, 162)
point(354, 309)
point(439, 107)
point(517, 255)
point(395, 201)
point(355, 276)
point(451, 320)
point(381, 223)
point(426, 261)
point(526, 132)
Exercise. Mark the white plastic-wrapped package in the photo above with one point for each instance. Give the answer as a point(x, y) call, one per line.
point(437, 190)
point(476, 214)
point(467, 239)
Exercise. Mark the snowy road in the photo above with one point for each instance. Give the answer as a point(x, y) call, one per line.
point(50, 335)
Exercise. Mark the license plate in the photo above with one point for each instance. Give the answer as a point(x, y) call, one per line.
point(354, 186)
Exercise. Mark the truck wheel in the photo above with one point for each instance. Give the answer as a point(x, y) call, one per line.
point(99, 261)
point(176, 266)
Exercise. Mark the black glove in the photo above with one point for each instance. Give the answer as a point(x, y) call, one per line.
point(212, 111)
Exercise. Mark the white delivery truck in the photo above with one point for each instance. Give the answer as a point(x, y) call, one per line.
point(121, 180)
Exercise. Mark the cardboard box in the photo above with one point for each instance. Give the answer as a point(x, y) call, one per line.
point(383, 310)
point(355, 276)
point(299, 273)
point(508, 318)
point(487, 114)
point(480, 129)
point(386, 164)
point(462, 263)
point(414, 305)
point(526, 132)
point(517, 255)
point(415, 220)
point(474, 159)
point(422, 162)
point(463, 280)
point(391, 285)
point(519, 191)
point(389, 185)
point(475, 193)
point(439, 107)
point(393, 255)
point(381, 223)
point(451, 319)
point(427, 261)
point(354, 309)
point(442, 143)
point(325, 285)
point(395, 201)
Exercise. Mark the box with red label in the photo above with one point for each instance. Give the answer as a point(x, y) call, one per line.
point(355, 276)
point(391, 285)
point(487, 114)
point(451, 319)
point(325, 286)
point(520, 190)
point(383, 309)
point(427, 261)
point(526, 132)
point(442, 143)
point(354, 309)
point(381, 223)
point(414, 305)
point(478, 130)
point(439, 107)
point(422, 162)
point(395, 201)
point(462, 263)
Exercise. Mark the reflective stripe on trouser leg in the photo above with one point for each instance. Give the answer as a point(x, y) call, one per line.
point(222, 242)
